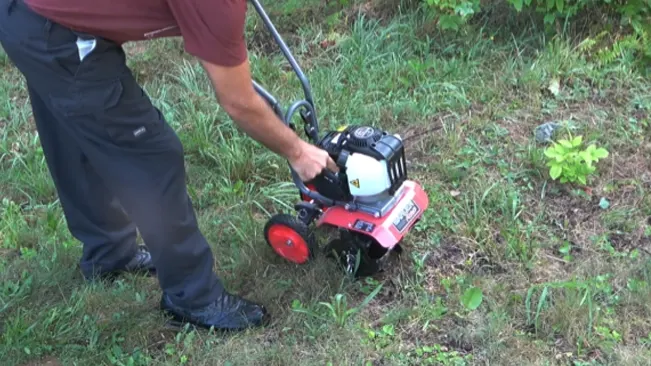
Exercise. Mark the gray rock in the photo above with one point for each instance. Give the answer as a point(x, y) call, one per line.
point(545, 131)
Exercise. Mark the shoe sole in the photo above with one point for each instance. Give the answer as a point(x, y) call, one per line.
point(177, 322)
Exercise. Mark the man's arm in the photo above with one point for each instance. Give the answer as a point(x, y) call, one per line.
point(235, 93)
point(213, 31)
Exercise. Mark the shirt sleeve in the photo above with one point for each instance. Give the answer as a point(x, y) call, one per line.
point(212, 30)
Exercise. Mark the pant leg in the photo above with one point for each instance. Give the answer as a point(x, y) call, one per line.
point(125, 139)
point(93, 214)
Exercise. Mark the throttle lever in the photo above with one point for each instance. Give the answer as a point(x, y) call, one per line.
point(334, 177)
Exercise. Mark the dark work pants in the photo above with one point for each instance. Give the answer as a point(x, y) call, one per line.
point(116, 163)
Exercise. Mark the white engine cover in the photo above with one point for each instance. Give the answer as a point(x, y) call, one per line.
point(367, 176)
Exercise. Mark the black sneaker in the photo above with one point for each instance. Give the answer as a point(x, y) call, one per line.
point(227, 313)
point(141, 263)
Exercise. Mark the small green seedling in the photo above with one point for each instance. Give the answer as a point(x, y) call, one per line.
point(570, 163)
point(472, 298)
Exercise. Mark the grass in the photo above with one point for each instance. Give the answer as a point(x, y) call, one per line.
point(561, 271)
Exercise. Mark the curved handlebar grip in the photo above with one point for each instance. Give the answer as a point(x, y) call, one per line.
point(331, 175)
point(306, 191)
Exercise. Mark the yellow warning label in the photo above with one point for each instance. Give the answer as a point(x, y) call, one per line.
point(341, 128)
point(355, 182)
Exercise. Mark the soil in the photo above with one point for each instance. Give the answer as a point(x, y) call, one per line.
point(445, 261)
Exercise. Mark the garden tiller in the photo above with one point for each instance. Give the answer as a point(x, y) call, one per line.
point(370, 200)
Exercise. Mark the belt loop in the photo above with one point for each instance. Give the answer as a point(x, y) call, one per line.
point(12, 3)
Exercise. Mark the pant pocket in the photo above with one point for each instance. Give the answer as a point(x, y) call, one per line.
point(134, 119)
point(115, 108)
point(88, 100)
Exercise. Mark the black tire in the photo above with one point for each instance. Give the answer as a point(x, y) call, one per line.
point(284, 228)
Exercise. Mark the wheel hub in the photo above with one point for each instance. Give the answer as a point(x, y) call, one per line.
point(290, 238)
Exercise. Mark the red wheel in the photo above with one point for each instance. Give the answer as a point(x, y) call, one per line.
point(290, 238)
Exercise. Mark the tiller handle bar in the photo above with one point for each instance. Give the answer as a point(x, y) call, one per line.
point(308, 113)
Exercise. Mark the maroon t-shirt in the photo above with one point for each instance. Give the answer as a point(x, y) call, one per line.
point(212, 30)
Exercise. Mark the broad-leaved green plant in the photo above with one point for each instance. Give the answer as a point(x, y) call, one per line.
point(569, 162)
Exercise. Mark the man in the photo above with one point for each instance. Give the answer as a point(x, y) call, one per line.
point(116, 163)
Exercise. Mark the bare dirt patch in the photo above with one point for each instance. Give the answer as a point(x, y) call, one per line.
point(446, 261)
point(520, 126)
point(628, 168)
point(576, 219)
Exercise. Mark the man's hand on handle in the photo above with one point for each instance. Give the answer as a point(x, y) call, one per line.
point(311, 161)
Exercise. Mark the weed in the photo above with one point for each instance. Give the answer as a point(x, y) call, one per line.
point(337, 310)
point(472, 298)
point(570, 163)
